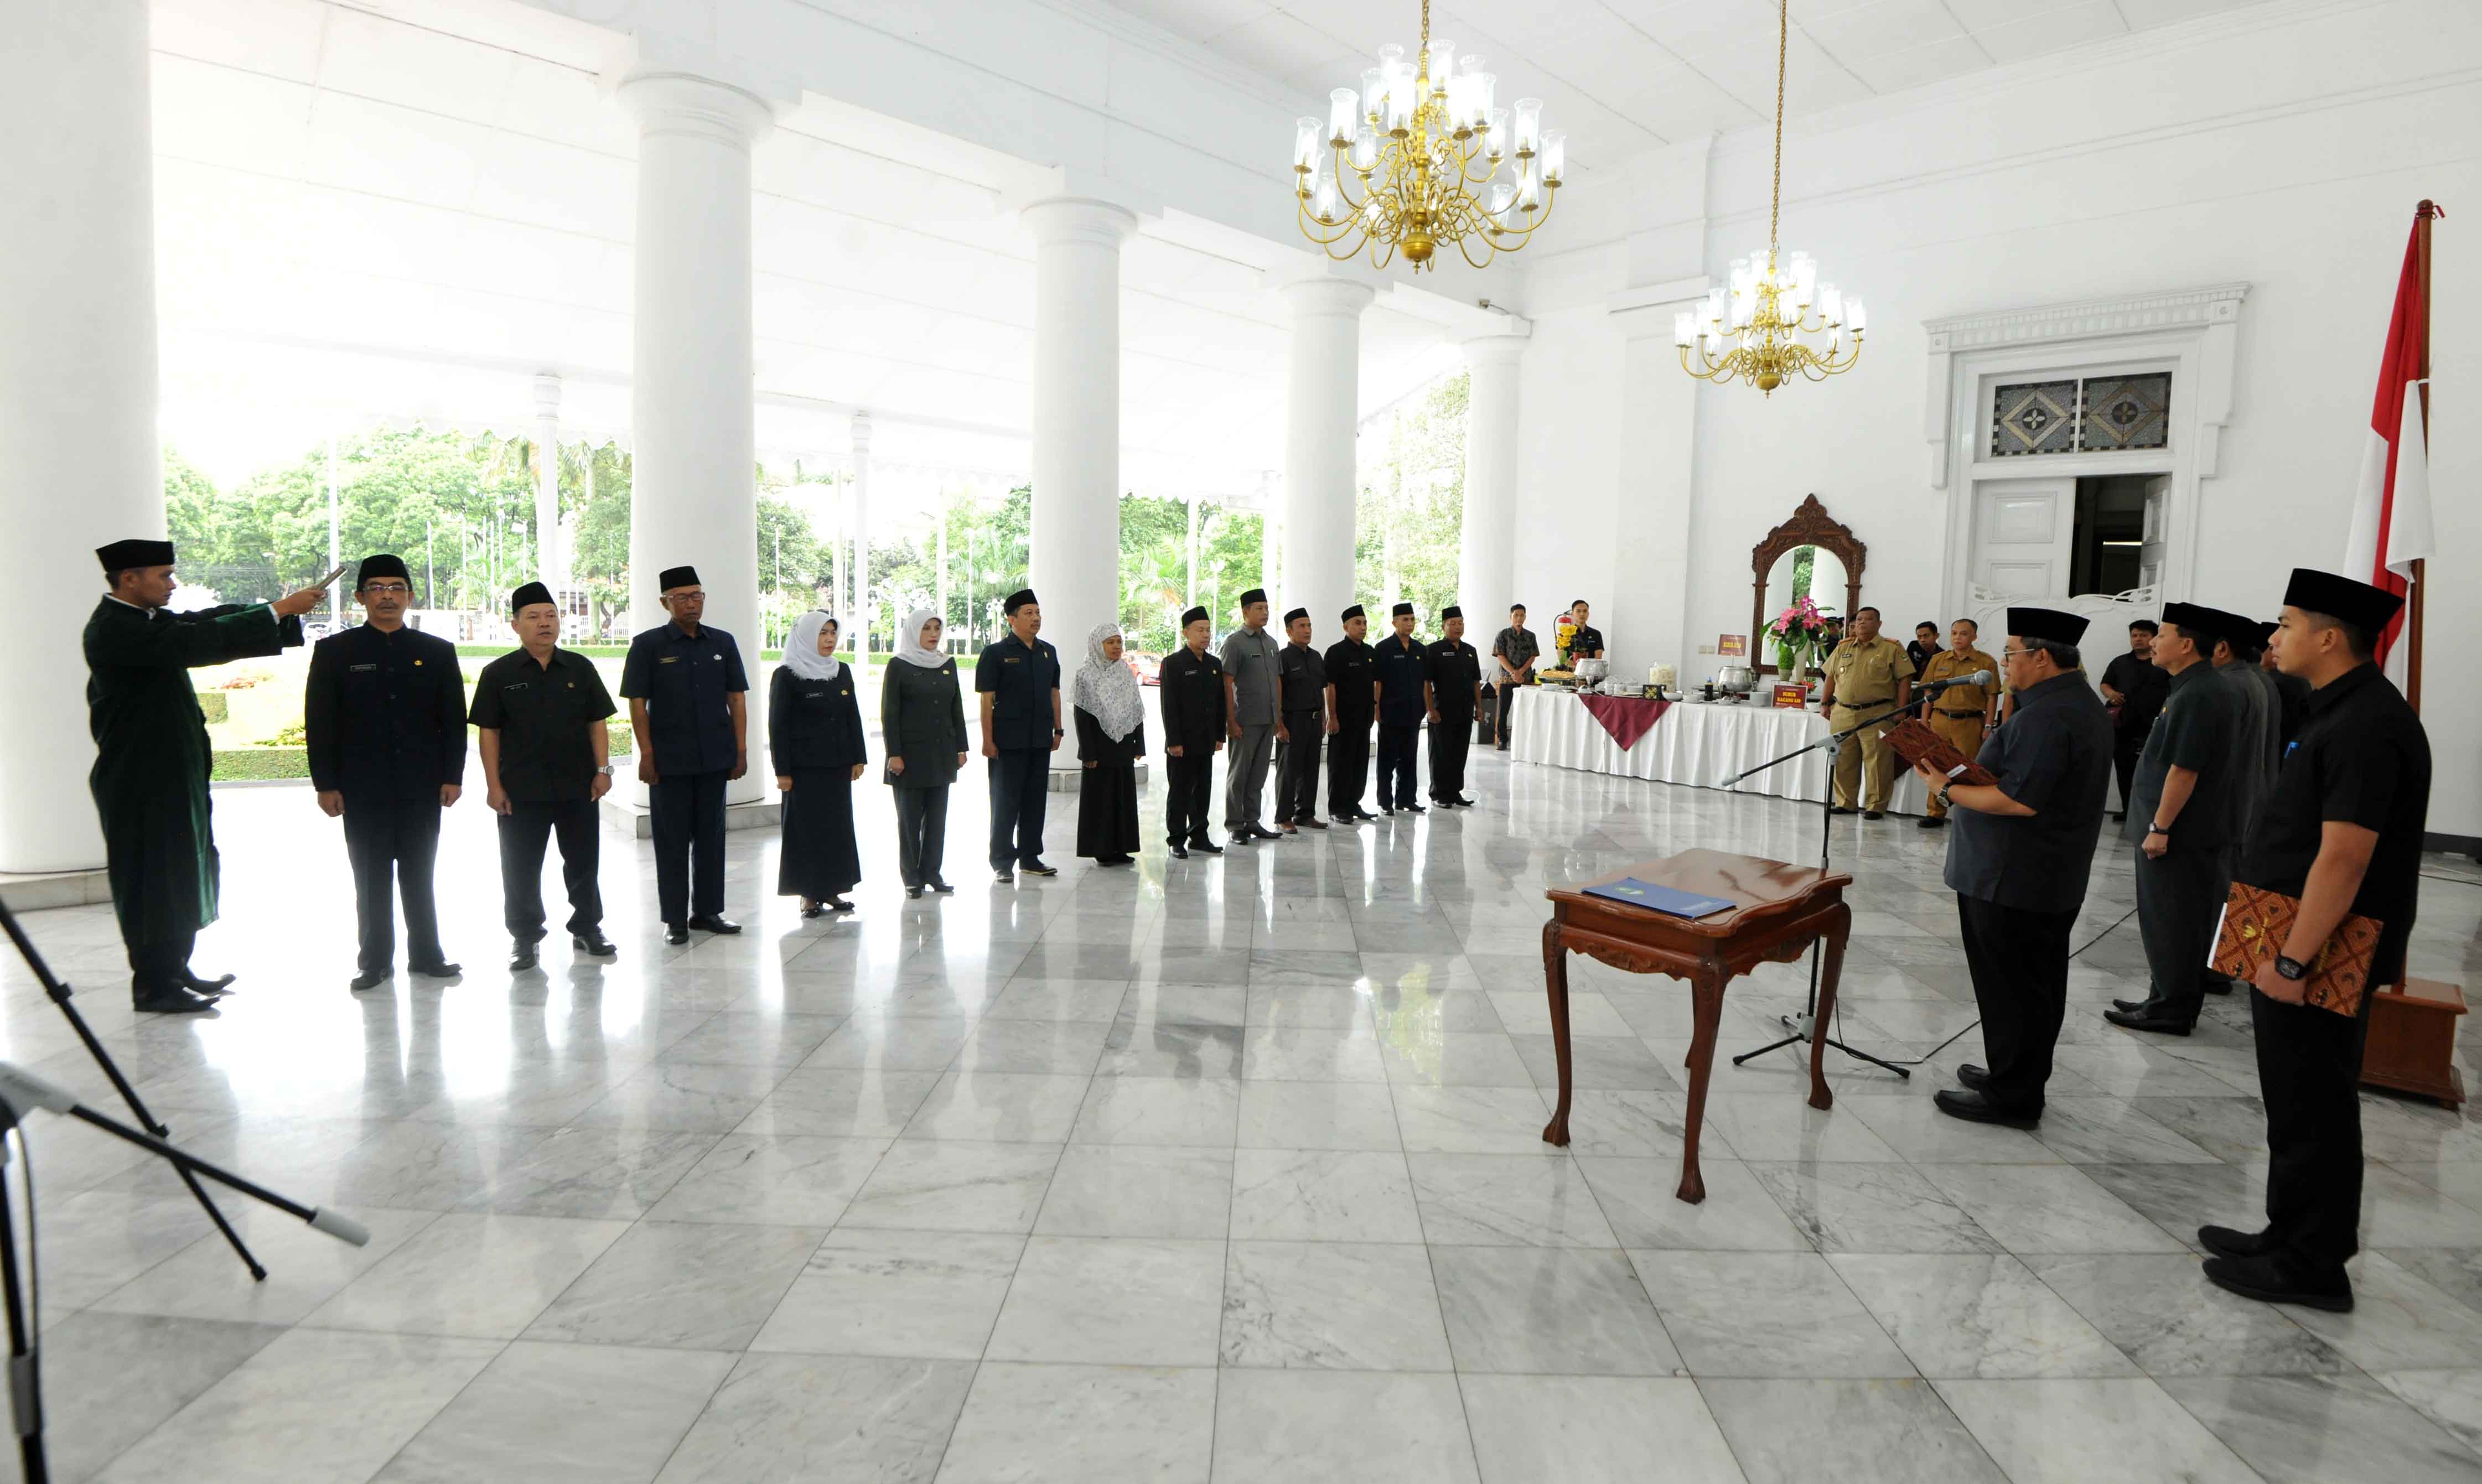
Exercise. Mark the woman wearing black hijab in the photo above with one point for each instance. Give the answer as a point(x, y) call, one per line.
point(1111, 739)
point(814, 734)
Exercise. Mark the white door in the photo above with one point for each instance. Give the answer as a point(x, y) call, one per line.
point(2022, 533)
point(2158, 511)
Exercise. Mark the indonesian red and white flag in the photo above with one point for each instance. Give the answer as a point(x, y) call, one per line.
point(2391, 528)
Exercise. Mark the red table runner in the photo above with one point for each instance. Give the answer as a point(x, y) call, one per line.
point(1626, 718)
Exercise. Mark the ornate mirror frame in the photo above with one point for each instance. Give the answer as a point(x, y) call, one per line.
point(1811, 525)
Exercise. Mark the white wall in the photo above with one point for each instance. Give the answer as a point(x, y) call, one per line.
point(2283, 146)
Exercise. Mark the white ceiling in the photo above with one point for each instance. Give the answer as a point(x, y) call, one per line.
point(1624, 76)
point(330, 181)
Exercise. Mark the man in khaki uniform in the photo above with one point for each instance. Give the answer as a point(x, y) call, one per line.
point(1864, 676)
point(1962, 714)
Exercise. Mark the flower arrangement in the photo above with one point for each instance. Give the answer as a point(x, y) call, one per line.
point(1562, 638)
point(1801, 634)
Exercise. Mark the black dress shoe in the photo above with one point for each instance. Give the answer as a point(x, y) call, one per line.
point(1265, 833)
point(940, 887)
point(1874, 813)
point(169, 1000)
point(2133, 1006)
point(1004, 878)
point(722, 927)
point(915, 892)
point(1313, 824)
point(439, 970)
point(2160, 1023)
point(1840, 808)
point(1974, 1108)
point(1208, 846)
point(592, 942)
point(812, 909)
point(368, 978)
point(221, 984)
point(1971, 1077)
point(837, 904)
point(2225, 1242)
point(2271, 1280)
point(2216, 984)
point(1412, 808)
point(2120, 817)
point(1241, 837)
point(1038, 869)
point(521, 955)
point(1179, 850)
point(1387, 808)
point(1930, 822)
point(676, 934)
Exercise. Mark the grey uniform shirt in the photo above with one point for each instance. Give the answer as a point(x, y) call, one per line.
point(2196, 729)
point(1250, 658)
point(2054, 755)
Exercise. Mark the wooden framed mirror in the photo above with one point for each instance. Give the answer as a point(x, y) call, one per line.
point(1777, 570)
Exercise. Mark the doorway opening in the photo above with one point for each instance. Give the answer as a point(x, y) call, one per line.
point(2116, 543)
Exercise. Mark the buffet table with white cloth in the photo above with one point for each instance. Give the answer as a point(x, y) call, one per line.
point(1694, 743)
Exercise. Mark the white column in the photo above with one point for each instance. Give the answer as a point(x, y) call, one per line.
point(551, 562)
point(694, 500)
point(1322, 402)
point(77, 388)
point(1075, 539)
point(1487, 542)
point(861, 614)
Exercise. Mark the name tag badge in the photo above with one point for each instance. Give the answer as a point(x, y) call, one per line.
point(1005, 659)
point(515, 685)
point(719, 657)
point(359, 669)
point(668, 659)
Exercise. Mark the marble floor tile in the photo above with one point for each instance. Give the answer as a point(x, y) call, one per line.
point(1528, 1012)
point(1782, 1127)
point(1472, 1120)
point(1036, 999)
point(1594, 1430)
point(782, 1419)
point(2399, 1321)
point(1186, 1004)
point(1622, 1063)
point(429, 1167)
point(1455, 1059)
point(1985, 1316)
point(2179, 1198)
point(2452, 1270)
point(1340, 1306)
point(1166, 1306)
point(1323, 1196)
point(1870, 1208)
point(924, 1294)
point(97, 1240)
point(830, 1104)
point(1139, 1190)
point(1112, 1425)
point(2072, 1430)
point(1317, 1115)
point(1549, 1311)
point(1915, 1128)
point(2300, 1429)
point(752, 1039)
point(1312, 1053)
point(109, 1379)
point(1289, 1426)
point(563, 1414)
point(888, 1043)
point(2111, 1130)
point(1201, 1113)
point(2451, 1399)
point(1506, 1200)
point(1872, 1428)
point(590, 1172)
point(2048, 1209)
point(483, 1275)
point(786, 1179)
point(684, 1285)
point(1055, 1047)
point(206, 1280)
point(1765, 1313)
point(1641, 1199)
point(687, 1096)
point(1012, 1107)
point(2161, 1312)
point(953, 1185)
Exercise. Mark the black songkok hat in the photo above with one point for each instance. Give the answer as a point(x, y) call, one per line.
point(2239, 630)
point(676, 577)
point(527, 596)
point(1193, 616)
point(1401, 611)
point(2201, 624)
point(2266, 633)
point(1353, 612)
point(381, 565)
point(1018, 600)
point(1254, 595)
point(1298, 612)
point(2049, 623)
point(2367, 608)
point(1451, 611)
point(123, 554)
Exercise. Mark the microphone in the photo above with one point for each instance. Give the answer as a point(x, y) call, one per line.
point(1982, 678)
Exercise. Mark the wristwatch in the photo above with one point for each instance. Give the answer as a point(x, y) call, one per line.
point(2151, 827)
point(1942, 793)
point(606, 769)
point(2290, 968)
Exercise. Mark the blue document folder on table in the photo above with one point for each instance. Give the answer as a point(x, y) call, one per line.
point(1662, 899)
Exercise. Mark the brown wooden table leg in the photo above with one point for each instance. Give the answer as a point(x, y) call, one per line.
point(1555, 988)
point(1707, 996)
point(1838, 929)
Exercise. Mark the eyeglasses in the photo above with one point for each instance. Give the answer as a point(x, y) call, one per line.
point(388, 589)
point(2015, 654)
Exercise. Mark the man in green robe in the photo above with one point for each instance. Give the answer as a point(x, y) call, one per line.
point(150, 769)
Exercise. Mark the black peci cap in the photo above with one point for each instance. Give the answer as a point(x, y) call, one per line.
point(527, 596)
point(2047, 624)
point(1298, 612)
point(2369, 609)
point(1451, 611)
point(1401, 611)
point(121, 554)
point(1354, 612)
point(1254, 595)
point(381, 565)
point(1021, 598)
point(1193, 616)
point(676, 577)
point(2196, 621)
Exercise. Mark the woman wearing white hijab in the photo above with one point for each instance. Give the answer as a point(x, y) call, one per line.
point(814, 734)
point(1111, 739)
point(922, 719)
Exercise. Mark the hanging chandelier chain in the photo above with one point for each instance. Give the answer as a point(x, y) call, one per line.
point(1426, 28)
point(1775, 200)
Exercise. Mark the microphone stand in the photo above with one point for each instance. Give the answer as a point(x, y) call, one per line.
point(1800, 1025)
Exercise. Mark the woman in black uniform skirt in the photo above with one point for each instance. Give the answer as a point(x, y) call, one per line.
point(814, 734)
point(1111, 739)
point(922, 726)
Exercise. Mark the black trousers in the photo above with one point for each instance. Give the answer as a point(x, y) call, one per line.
point(1297, 767)
point(161, 964)
point(1398, 741)
point(1451, 740)
point(2125, 746)
point(524, 832)
point(1502, 712)
point(2019, 961)
point(921, 833)
point(1348, 766)
point(2178, 898)
point(687, 811)
point(1020, 784)
point(1189, 783)
point(392, 843)
point(2309, 1072)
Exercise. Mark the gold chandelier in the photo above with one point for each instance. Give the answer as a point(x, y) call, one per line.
point(1426, 145)
point(1758, 329)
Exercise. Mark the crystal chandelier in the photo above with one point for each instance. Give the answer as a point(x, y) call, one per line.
point(1426, 148)
point(1776, 321)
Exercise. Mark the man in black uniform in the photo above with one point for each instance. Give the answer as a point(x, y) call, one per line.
point(1190, 693)
point(1352, 704)
point(2134, 686)
point(2018, 857)
point(1587, 642)
point(1453, 671)
point(540, 714)
point(1018, 680)
point(384, 720)
point(689, 711)
point(2340, 833)
point(1300, 725)
point(2180, 817)
point(1403, 668)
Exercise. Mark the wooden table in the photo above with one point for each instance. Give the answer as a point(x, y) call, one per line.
point(1782, 910)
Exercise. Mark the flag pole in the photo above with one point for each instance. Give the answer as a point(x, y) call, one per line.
point(2423, 215)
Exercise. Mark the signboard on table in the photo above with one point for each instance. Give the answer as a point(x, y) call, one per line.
point(1731, 643)
point(1791, 698)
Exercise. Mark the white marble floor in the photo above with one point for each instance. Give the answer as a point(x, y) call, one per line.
point(1218, 1168)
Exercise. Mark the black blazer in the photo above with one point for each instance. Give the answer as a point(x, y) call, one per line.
point(1096, 746)
point(384, 714)
point(813, 723)
point(1190, 690)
